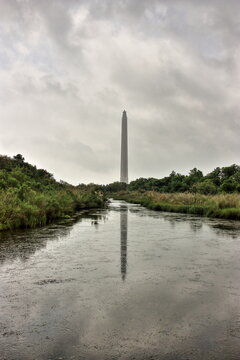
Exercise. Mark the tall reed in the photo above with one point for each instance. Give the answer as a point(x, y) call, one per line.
point(226, 206)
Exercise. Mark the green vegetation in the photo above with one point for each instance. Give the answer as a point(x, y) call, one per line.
point(31, 197)
point(224, 206)
point(215, 195)
point(220, 180)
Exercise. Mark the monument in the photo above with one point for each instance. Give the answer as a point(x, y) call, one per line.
point(124, 149)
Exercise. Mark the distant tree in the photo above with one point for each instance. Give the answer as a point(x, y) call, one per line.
point(196, 173)
point(206, 187)
point(138, 184)
point(177, 183)
point(116, 186)
point(236, 176)
point(42, 173)
point(64, 183)
point(229, 185)
point(173, 173)
point(228, 171)
point(194, 176)
point(19, 158)
point(215, 176)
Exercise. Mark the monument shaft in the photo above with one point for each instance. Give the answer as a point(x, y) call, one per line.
point(124, 149)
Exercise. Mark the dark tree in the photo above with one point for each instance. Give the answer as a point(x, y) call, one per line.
point(19, 158)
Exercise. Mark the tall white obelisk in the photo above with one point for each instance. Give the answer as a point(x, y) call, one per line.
point(124, 149)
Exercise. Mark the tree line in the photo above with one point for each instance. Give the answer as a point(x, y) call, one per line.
point(220, 180)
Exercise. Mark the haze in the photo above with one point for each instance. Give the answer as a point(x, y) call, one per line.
point(69, 68)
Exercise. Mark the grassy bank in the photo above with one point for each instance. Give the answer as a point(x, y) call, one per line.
point(31, 197)
point(224, 206)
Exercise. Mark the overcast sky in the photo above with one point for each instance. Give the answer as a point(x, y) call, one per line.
point(68, 68)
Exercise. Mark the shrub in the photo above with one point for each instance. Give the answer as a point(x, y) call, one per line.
point(205, 187)
point(30, 197)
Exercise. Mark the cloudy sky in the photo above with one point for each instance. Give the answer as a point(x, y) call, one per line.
point(68, 68)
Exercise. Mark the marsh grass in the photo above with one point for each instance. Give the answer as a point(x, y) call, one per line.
point(225, 206)
point(37, 209)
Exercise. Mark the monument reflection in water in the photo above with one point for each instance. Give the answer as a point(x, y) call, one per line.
point(124, 238)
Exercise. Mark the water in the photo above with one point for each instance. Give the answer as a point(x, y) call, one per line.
point(122, 283)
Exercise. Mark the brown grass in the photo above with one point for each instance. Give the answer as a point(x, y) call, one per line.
point(221, 201)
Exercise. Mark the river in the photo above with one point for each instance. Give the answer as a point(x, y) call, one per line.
point(121, 283)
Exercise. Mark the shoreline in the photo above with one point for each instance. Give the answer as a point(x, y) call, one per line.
point(32, 220)
point(209, 211)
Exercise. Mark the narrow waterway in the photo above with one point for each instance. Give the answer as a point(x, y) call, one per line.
point(121, 283)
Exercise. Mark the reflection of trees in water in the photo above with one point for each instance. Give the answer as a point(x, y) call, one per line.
point(227, 229)
point(96, 217)
point(24, 243)
point(196, 225)
point(123, 238)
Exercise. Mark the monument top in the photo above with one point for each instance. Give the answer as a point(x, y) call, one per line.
point(124, 115)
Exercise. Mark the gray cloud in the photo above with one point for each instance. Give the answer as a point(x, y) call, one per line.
point(69, 68)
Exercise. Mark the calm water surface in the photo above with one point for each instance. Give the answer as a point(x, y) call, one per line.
point(122, 283)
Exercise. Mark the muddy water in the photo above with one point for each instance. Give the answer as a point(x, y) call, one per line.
point(122, 283)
